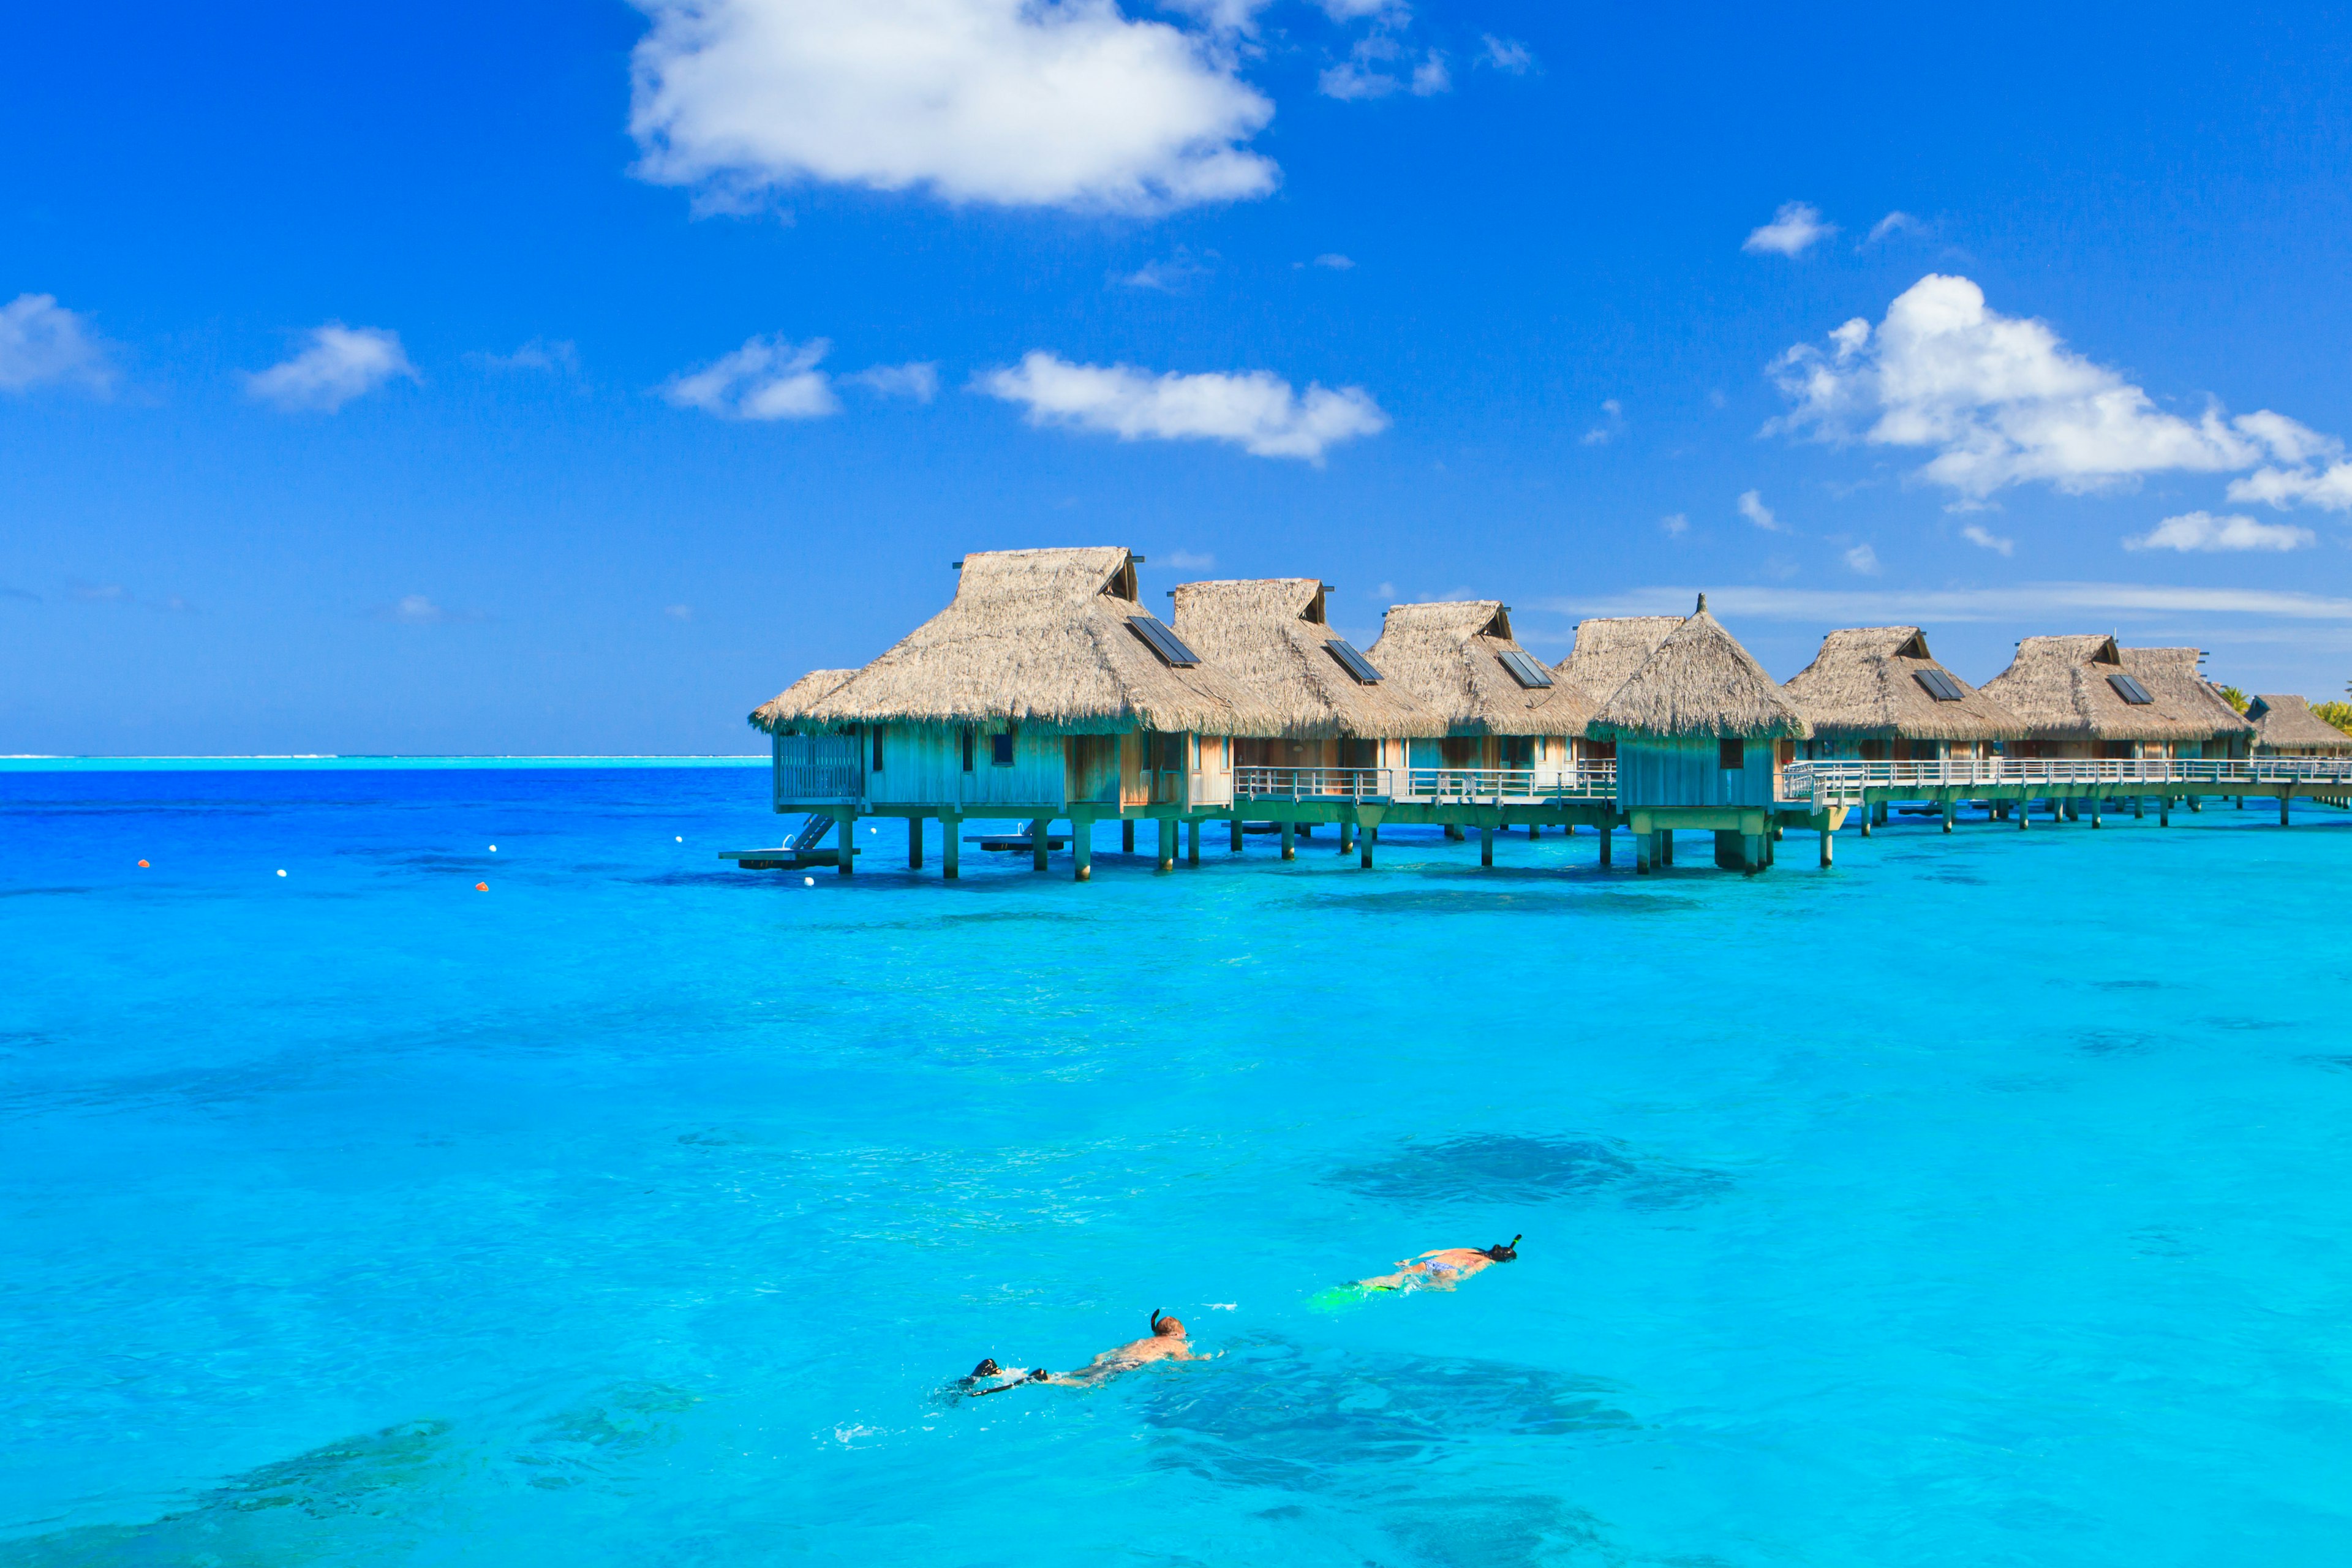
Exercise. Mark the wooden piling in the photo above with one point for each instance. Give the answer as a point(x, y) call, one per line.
point(1289, 839)
point(1167, 842)
point(847, 838)
point(1038, 840)
point(1193, 842)
point(951, 848)
point(1828, 838)
point(913, 843)
point(1126, 835)
point(1237, 833)
point(1082, 848)
point(1607, 832)
point(1486, 846)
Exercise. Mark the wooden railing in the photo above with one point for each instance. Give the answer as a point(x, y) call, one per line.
point(1468, 787)
point(811, 783)
point(1830, 783)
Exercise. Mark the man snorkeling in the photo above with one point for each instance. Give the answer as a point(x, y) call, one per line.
point(1167, 1342)
point(1006, 1377)
point(1441, 1267)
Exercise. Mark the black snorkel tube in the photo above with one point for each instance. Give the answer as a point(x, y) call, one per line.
point(1504, 1251)
point(1036, 1374)
point(1155, 1322)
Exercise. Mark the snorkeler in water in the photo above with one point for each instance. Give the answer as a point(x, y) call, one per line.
point(1441, 1267)
point(998, 1378)
point(1167, 1342)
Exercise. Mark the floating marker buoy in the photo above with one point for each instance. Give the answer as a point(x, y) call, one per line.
point(142, 865)
point(808, 881)
point(281, 873)
point(481, 887)
point(494, 848)
point(681, 839)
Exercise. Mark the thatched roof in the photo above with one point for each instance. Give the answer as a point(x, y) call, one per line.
point(1610, 649)
point(2287, 723)
point(2058, 686)
point(1041, 639)
point(1699, 682)
point(1865, 684)
point(1271, 637)
point(793, 701)
point(1450, 656)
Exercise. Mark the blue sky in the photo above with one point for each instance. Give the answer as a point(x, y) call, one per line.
point(571, 377)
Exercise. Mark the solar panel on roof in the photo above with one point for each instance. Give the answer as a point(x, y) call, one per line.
point(1524, 671)
point(2130, 691)
point(1941, 687)
point(1163, 642)
point(1354, 663)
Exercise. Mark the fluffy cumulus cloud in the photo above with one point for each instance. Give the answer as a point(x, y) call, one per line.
point(1795, 228)
point(336, 364)
point(1257, 411)
point(1379, 65)
point(1986, 539)
point(42, 344)
point(2002, 400)
point(1506, 54)
point(1752, 507)
point(1065, 103)
point(2202, 532)
point(766, 378)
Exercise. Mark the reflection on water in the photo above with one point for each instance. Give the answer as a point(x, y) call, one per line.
point(1492, 1168)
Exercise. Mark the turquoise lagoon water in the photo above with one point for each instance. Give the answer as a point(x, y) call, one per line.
point(1982, 1201)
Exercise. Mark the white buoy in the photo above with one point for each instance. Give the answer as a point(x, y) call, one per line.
point(681, 839)
point(281, 873)
point(494, 848)
point(805, 881)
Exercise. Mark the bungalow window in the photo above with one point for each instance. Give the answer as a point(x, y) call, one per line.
point(1000, 749)
point(877, 748)
point(967, 749)
point(1731, 755)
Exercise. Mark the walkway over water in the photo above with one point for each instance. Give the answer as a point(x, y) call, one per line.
point(1820, 786)
point(1584, 784)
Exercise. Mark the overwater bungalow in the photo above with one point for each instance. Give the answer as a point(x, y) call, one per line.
point(780, 714)
point(1333, 709)
point(2286, 727)
point(1876, 694)
point(1609, 649)
point(1043, 691)
point(1701, 734)
point(1503, 707)
point(2087, 697)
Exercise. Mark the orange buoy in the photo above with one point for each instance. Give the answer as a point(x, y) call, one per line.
point(481, 887)
point(142, 865)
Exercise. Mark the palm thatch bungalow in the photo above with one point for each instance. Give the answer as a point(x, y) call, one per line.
point(1503, 707)
point(1333, 709)
point(1610, 649)
point(1044, 691)
point(2286, 727)
point(1701, 733)
point(2087, 697)
point(778, 715)
point(1878, 694)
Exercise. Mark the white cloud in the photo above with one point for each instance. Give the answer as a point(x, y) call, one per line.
point(1335, 261)
point(1222, 16)
point(1674, 524)
point(1752, 507)
point(2319, 475)
point(918, 379)
point(1171, 276)
point(2201, 531)
point(1862, 558)
point(1986, 539)
point(1257, 411)
point(1894, 222)
point(1794, 229)
point(1506, 54)
point(1002, 102)
point(1613, 422)
point(1366, 72)
point(1185, 560)
point(339, 363)
point(417, 610)
point(2002, 401)
point(766, 378)
point(1357, 10)
point(42, 344)
point(678, 612)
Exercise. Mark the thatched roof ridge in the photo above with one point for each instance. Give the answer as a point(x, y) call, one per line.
point(1041, 639)
point(1864, 684)
point(1700, 682)
point(1609, 649)
point(2059, 686)
point(1449, 656)
point(2288, 722)
point(793, 701)
point(1269, 634)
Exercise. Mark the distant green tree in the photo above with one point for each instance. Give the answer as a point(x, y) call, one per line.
point(2336, 714)
point(2235, 698)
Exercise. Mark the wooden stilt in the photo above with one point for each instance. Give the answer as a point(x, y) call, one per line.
point(2139, 808)
point(1866, 813)
point(1167, 846)
point(1828, 838)
point(1486, 846)
point(2283, 800)
point(1364, 842)
point(846, 837)
point(2024, 809)
point(2095, 811)
point(1289, 839)
point(913, 843)
point(1193, 842)
point(1948, 814)
point(1347, 836)
point(1453, 831)
point(1237, 833)
point(1038, 840)
point(951, 848)
point(1606, 834)
point(1082, 848)
point(2164, 811)
point(1126, 835)
point(1644, 843)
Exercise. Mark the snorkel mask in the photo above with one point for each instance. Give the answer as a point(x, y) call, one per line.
point(1504, 1251)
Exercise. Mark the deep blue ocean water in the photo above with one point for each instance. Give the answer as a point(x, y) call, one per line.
point(1982, 1201)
